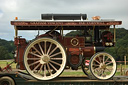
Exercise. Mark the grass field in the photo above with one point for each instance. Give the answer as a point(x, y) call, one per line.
point(4, 63)
point(66, 72)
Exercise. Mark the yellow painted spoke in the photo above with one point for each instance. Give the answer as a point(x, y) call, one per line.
point(34, 54)
point(55, 54)
point(41, 68)
point(97, 61)
point(53, 50)
point(36, 50)
point(41, 49)
point(36, 67)
point(95, 65)
point(33, 63)
point(44, 70)
point(45, 48)
point(49, 69)
point(49, 48)
point(106, 60)
point(53, 67)
point(55, 63)
point(109, 63)
point(56, 58)
point(33, 58)
point(103, 58)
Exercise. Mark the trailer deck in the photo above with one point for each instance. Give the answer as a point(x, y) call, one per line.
point(22, 78)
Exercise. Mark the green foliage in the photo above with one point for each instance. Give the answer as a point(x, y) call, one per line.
point(6, 48)
point(75, 33)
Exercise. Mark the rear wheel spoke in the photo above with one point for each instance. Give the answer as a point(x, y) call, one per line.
point(36, 67)
point(33, 58)
point(55, 54)
point(49, 70)
point(41, 68)
point(53, 50)
point(55, 63)
point(36, 50)
point(45, 46)
point(53, 67)
point(34, 63)
point(41, 48)
point(49, 48)
point(44, 70)
point(56, 58)
point(34, 54)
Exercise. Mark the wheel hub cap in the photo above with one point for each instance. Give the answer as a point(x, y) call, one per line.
point(45, 59)
point(103, 66)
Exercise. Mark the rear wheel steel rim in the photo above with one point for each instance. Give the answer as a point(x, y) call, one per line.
point(45, 59)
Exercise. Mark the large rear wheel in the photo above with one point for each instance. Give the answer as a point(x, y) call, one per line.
point(102, 65)
point(45, 59)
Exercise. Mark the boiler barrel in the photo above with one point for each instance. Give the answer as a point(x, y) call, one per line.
point(63, 16)
point(90, 51)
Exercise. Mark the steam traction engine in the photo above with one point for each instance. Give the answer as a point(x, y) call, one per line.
point(46, 56)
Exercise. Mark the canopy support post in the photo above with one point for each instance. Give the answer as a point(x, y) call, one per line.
point(114, 34)
point(16, 32)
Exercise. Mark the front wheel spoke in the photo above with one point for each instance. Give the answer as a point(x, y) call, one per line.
point(109, 63)
point(49, 70)
point(53, 50)
point(55, 54)
point(103, 58)
point(103, 72)
point(34, 54)
point(108, 70)
point(98, 70)
point(95, 65)
point(33, 63)
point(55, 63)
point(36, 50)
point(56, 58)
point(53, 67)
point(106, 60)
point(41, 48)
point(97, 61)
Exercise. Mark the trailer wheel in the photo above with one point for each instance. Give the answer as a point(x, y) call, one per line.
point(45, 58)
point(5, 80)
point(102, 65)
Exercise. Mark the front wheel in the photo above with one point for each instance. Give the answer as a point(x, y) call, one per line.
point(102, 65)
point(45, 59)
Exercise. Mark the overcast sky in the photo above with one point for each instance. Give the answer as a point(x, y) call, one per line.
point(32, 9)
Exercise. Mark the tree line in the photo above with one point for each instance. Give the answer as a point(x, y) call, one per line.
point(6, 49)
